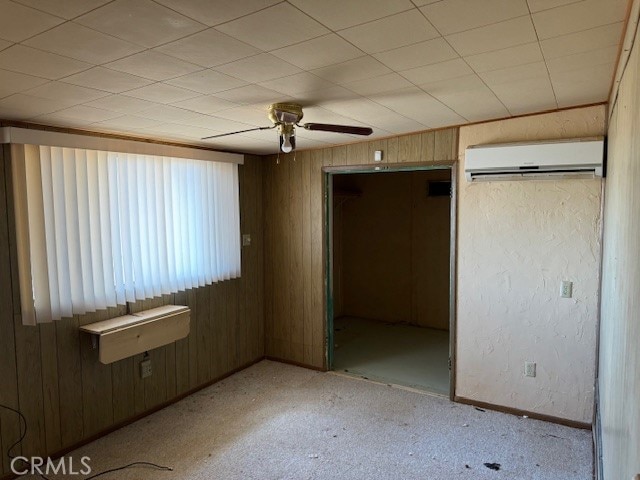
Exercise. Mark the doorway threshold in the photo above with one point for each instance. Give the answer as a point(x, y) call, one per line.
point(364, 378)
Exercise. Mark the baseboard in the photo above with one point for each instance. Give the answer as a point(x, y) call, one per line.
point(129, 421)
point(520, 413)
point(295, 364)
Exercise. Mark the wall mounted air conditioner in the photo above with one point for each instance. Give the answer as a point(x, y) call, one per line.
point(573, 158)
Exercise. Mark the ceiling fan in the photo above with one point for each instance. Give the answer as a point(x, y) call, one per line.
point(286, 116)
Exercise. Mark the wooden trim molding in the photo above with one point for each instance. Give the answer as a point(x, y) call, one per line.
point(520, 413)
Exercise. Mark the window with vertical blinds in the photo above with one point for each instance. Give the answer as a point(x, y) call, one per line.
point(98, 229)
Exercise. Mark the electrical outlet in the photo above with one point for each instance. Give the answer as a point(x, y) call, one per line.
point(529, 369)
point(145, 368)
point(246, 240)
point(566, 289)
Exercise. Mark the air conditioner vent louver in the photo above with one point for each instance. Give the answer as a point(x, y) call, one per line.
point(574, 158)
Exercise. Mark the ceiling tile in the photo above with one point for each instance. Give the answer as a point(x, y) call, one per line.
point(317, 114)
point(274, 27)
point(121, 104)
point(82, 43)
point(11, 82)
point(383, 83)
point(539, 97)
point(297, 83)
point(424, 53)
point(18, 22)
point(209, 48)
point(507, 57)
point(241, 143)
point(583, 86)
point(583, 41)
point(207, 81)
point(128, 122)
point(509, 84)
point(318, 52)
point(365, 111)
point(252, 94)
point(391, 32)
point(107, 80)
point(162, 93)
point(582, 60)
point(468, 96)
point(64, 8)
point(338, 14)
point(452, 16)
point(494, 37)
point(153, 65)
point(23, 107)
point(578, 16)
point(173, 114)
point(79, 114)
point(259, 68)
point(67, 92)
point(419, 106)
point(512, 74)
point(254, 114)
point(142, 22)
point(205, 104)
point(352, 70)
point(30, 61)
point(214, 12)
point(538, 5)
point(178, 131)
point(438, 71)
point(325, 95)
point(224, 125)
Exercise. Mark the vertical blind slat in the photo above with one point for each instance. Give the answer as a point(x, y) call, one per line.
point(107, 228)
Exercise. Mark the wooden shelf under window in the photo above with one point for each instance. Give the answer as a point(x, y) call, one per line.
point(129, 335)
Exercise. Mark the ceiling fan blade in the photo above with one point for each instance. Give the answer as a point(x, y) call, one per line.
point(328, 127)
point(239, 131)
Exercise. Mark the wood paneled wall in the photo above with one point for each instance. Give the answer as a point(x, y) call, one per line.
point(295, 250)
point(52, 374)
point(407, 232)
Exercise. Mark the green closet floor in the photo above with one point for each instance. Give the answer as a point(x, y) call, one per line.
point(393, 353)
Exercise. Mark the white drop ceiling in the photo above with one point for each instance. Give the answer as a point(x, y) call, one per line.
point(179, 70)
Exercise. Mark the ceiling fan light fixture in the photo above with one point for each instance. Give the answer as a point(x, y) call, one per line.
point(287, 138)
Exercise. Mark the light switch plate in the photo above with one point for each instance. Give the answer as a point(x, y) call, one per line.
point(529, 369)
point(566, 289)
point(246, 240)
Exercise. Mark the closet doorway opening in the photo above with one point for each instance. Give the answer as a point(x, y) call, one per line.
point(390, 239)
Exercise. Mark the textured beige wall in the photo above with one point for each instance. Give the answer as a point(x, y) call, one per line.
point(619, 372)
point(516, 242)
point(391, 248)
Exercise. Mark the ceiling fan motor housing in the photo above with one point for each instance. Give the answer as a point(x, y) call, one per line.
point(287, 113)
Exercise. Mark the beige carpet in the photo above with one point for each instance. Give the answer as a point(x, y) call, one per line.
point(275, 421)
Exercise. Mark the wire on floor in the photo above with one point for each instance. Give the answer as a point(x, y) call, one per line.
point(23, 433)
